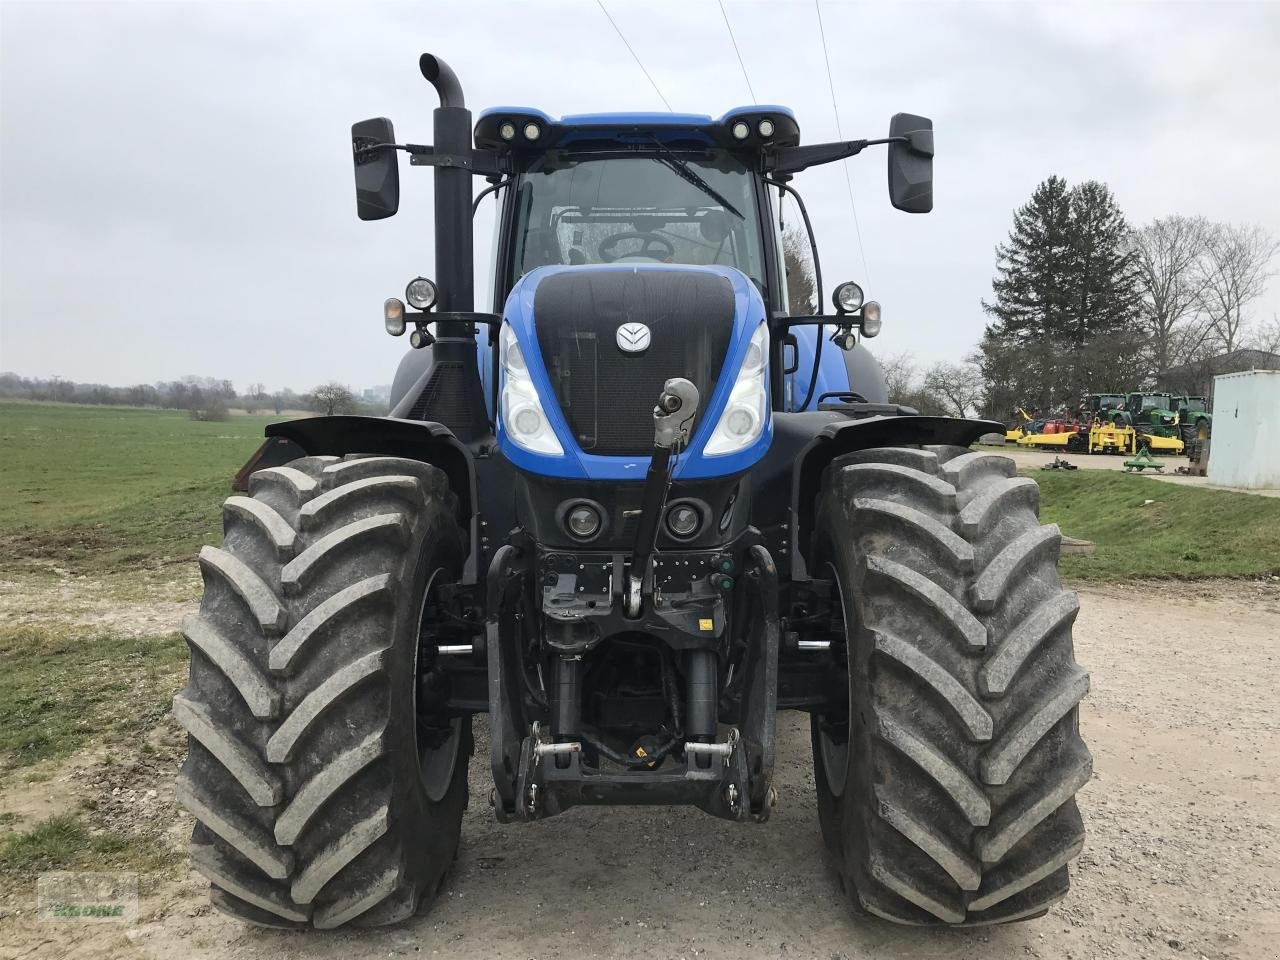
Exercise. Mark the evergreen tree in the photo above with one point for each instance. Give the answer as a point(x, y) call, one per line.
point(1034, 266)
point(1105, 265)
point(1066, 300)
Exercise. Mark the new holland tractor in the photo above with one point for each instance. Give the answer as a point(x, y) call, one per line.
point(630, 516)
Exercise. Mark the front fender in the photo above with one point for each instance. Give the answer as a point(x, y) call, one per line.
point(422, 440)
point(841, 435)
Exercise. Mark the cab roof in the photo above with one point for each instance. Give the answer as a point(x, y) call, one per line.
point(743, 128)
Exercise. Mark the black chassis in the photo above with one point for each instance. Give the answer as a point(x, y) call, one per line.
point(740, 593)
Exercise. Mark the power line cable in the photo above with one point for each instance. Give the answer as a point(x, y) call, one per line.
point(848, 181)
point(617, 29)
point(734, 41)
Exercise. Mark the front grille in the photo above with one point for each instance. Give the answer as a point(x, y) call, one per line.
point(607, 395)
point(444, 398)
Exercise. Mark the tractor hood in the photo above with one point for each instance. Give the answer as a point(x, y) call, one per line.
point(588, 349)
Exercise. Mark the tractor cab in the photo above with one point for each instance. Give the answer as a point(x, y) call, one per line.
point(1099, 406)
point(1194, 417)
point(1154, 411)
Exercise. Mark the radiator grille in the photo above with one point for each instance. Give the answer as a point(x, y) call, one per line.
point(607, 395)
point(444, 398)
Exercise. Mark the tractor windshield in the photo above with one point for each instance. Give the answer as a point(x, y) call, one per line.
point(694, 208)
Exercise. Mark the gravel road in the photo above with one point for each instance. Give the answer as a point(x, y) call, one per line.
point(1182, 860)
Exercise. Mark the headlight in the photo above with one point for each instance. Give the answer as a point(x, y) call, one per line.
point(522, 413)
point(744, 415)
point(583, 521)
point(847, 297)
point(421, 293)
point(683, 520)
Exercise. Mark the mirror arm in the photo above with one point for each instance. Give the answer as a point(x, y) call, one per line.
point(789, 160)
point(484, 163)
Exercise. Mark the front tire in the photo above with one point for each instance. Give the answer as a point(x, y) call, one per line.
point(321, 796)
point(946, 789)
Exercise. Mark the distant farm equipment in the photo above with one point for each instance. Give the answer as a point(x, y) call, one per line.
point(1123, 423)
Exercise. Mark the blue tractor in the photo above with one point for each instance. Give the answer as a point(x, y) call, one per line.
point(630, 517)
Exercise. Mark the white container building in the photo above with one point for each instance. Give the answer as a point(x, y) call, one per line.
point(1245, 449)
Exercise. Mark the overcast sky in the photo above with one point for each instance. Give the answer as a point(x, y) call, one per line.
point(177, 195)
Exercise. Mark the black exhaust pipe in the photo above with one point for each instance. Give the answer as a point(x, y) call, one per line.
point(460, 390)
point(452, 137)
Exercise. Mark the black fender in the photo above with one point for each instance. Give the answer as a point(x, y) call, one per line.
point(839, 434)
point(422, 440)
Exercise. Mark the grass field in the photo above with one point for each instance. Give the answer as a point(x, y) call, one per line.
point(1184, 532)
point(97, 490)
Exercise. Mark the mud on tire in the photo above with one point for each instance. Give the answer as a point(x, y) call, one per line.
point(314, 807)
point(946, 793)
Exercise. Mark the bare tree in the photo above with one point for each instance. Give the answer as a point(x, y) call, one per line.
point(1169, 254)
point(899, 374)
point(1234, 273)
point(333, 397)
point(255, 398)
point(959, 386)
point(1267, 336)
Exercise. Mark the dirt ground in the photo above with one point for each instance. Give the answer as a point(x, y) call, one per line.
point(1182, 860)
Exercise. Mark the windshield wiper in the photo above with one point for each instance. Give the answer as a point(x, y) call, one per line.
point(689, 175)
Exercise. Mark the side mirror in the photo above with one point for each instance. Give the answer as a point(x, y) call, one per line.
point(911, 163)
point(377, 170)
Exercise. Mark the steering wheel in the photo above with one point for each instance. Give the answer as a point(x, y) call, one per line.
point(608, 248)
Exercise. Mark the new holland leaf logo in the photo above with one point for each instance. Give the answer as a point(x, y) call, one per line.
point(633, 338)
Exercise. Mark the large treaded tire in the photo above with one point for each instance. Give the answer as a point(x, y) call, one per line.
point(303, 769)
point(948, 796)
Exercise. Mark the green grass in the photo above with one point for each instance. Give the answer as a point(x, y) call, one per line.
point(63, 687)
point(1186, 532)
point(65, 842)
point(93, 490)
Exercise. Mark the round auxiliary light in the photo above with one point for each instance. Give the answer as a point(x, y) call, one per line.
point(421, 294)
point(393, 316)
point(420, 338)
point(766, 128)
point(741, 130)
point(740, 422)
point(507, 131)
point(683, 520)
point(870, 319)
point(527, 421)
point(847, 297)
point(582, 521)
point(532, 131)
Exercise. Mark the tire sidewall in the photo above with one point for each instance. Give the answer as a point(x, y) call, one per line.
point(429, 830)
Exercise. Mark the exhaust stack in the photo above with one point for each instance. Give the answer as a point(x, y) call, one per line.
point(452, 138)
point(455, 377)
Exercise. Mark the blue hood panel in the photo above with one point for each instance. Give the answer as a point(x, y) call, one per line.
point(749, 313)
